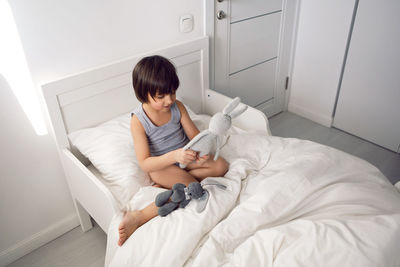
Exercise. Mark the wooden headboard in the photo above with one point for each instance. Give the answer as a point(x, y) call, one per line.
point(91, 97)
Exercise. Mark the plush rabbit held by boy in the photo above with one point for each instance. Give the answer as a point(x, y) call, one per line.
point(207, 142)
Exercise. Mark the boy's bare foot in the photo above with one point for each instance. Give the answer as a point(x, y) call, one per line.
point(128, 225)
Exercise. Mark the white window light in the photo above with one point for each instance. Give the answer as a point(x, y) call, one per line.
point(14, 68)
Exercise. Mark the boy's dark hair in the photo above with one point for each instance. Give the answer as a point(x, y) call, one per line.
point(154, 74)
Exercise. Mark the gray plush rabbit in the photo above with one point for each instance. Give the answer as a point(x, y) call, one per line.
point(207, 141)
point(178, 196)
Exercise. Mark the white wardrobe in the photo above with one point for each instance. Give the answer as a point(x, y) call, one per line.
point(346, 70)
point(368, 103)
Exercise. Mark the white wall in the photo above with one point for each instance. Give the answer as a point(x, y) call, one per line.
point(61, 38)
point(323, 28)
point(33, 191)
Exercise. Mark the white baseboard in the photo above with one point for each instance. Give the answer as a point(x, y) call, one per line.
point(37, 240)
point(311, 115)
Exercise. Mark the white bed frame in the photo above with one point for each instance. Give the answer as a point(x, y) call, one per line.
point(89, 98)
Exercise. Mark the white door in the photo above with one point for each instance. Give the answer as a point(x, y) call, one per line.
point(252, 46)
point(369, 99)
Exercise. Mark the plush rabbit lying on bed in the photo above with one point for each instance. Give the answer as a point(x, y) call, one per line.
point(207, 141)
point(180, 196)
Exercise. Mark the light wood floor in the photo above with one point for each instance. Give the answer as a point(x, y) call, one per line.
point(76, 248)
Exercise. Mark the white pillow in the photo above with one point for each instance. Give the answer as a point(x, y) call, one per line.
point(109, 147)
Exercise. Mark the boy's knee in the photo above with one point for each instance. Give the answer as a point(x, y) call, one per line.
point(155, 176)
point(221, 166)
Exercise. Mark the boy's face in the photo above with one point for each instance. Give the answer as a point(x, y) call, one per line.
point(161, 102)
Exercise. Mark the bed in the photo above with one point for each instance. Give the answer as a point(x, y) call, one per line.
point(286, 202)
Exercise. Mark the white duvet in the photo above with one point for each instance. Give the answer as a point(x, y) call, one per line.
point(288, 202)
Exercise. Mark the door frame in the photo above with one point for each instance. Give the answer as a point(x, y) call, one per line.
point(288, 40)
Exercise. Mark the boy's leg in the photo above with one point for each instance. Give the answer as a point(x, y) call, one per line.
point(171, 175)
point(209, 168)
point(134, 219)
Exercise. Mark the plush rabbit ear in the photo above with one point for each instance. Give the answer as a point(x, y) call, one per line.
point(231, 106)
point(238, 111)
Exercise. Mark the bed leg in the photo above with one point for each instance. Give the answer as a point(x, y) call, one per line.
point(84, 217)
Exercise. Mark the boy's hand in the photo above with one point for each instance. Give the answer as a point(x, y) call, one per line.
point(201, 160)
point(185, 156)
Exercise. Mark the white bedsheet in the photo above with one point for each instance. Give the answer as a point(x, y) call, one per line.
point(289, 202)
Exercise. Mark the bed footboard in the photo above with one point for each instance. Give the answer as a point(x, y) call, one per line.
point(90, 195)
point(252, 120)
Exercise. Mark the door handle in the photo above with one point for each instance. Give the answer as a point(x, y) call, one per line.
point(221, 15)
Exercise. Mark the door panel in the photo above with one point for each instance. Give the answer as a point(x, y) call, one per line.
point(252, 50)
point(243, 9)
point(368, 104)
point(254, 86)
point(254, 41)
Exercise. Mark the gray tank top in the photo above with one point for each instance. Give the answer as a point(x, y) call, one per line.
point(165, 138)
